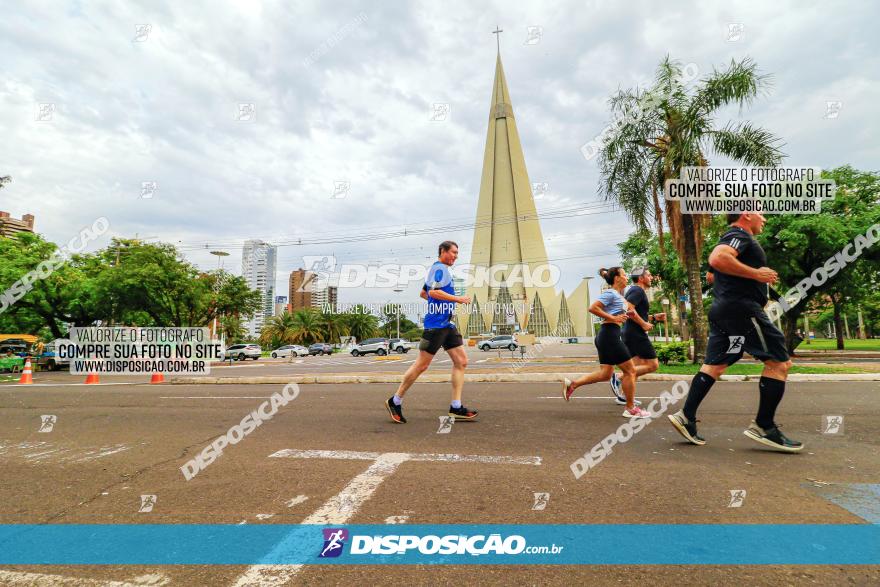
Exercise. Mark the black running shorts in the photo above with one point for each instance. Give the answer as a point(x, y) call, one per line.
point(611, 349)
point(638, 344)
point(735, 330)
point(434, 338)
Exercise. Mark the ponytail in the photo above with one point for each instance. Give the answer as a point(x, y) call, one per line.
point(609, 274)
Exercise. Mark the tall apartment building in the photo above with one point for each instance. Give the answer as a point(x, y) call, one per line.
point(258, 261)
point(308, 290)
point(11, 226)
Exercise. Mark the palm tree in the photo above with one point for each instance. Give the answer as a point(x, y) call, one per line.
point(280, 329)
point(669, 127)
point(361, 324)
point(333, 326)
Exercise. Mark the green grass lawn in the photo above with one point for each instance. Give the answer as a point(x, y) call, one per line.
point(753, 369)
point(849, 344)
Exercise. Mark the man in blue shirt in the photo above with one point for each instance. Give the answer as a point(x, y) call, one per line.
point(439, 331)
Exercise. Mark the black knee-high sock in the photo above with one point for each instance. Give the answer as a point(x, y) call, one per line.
point(771, 394)
point(700, 386)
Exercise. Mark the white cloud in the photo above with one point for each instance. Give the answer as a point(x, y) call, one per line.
point(164, 110)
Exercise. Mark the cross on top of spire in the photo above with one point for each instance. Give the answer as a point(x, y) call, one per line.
point(497, 32)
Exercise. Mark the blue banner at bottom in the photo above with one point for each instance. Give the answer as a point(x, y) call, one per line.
point(643, 544)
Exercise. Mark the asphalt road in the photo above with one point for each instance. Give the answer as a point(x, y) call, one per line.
point(111, 444)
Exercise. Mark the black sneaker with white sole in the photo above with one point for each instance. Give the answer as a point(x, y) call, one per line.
point(462, 413)
point(772, 437)
point(686, 428)
point(395, 411)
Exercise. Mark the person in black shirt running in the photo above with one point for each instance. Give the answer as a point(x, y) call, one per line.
point(737, 324)
point(635, 330)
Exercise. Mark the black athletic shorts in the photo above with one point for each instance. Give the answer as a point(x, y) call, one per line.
point(737, 329)
point(638, 344)
point(611, 349)
point(434, 338)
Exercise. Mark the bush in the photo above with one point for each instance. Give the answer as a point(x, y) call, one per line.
point(672, 352)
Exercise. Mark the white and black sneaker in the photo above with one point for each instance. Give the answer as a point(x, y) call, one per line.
point(686, 428)
point(773, 438)
point(617, 390)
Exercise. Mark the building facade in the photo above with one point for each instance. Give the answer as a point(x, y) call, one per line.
point(10, 226)
point(258, 261)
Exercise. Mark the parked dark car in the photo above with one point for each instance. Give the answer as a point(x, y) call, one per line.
point(320, 348)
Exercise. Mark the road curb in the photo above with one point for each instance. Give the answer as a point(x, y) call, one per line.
point(486, 378)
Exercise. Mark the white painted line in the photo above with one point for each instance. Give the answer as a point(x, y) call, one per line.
point(340, 508)
point(290, 453)
point(297, 500)
point(74, 384)
point(16, 579)
point(325, 454)
point(213, 397)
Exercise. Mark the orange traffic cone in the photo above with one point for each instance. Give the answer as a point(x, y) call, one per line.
point(92, 378)
point(26, 375)
point(157, 378)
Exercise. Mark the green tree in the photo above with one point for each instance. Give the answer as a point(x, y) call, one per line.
point(797, 245)
point(361, 324)
point(671, 126)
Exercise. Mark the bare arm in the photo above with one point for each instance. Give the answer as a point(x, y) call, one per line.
point(597, 308)
point(423, 294)
point(724, 259)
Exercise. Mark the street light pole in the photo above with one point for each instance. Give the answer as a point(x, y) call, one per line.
point(398, 290)
point(665, 302)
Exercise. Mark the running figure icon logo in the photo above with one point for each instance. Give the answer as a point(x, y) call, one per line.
point(334, 541)
point(737, 497)
point(736, 344)
point(541, 500)
point(445, 424)
point(832, 424)
point(147, 503)
point(47, 422)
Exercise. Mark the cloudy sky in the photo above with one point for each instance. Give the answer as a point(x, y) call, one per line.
point(344, 91)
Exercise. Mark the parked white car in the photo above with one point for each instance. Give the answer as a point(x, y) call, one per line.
point(240, 352)
point(290, 350)
point(503, 341)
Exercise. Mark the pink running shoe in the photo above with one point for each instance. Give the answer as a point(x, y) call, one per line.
point(566, 389)
point(636, 412)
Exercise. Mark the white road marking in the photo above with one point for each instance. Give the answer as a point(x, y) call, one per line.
point(16, 578)
point(297, 500)
point(213, 397)
point(340, 508)
point(46, 451)
point(75, 384)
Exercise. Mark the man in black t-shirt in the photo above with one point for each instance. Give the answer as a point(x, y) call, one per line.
point(635, 330)
point(737, 324)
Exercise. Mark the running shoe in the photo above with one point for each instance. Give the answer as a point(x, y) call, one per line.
point(395, 411)
point(686, 428)
point(773, 438)
point(620, 401)
point(636, 412)
point(566, 389)
point(616, 388)
point(462, 413)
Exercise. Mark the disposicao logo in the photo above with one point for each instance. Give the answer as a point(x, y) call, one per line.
point(334, 542)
